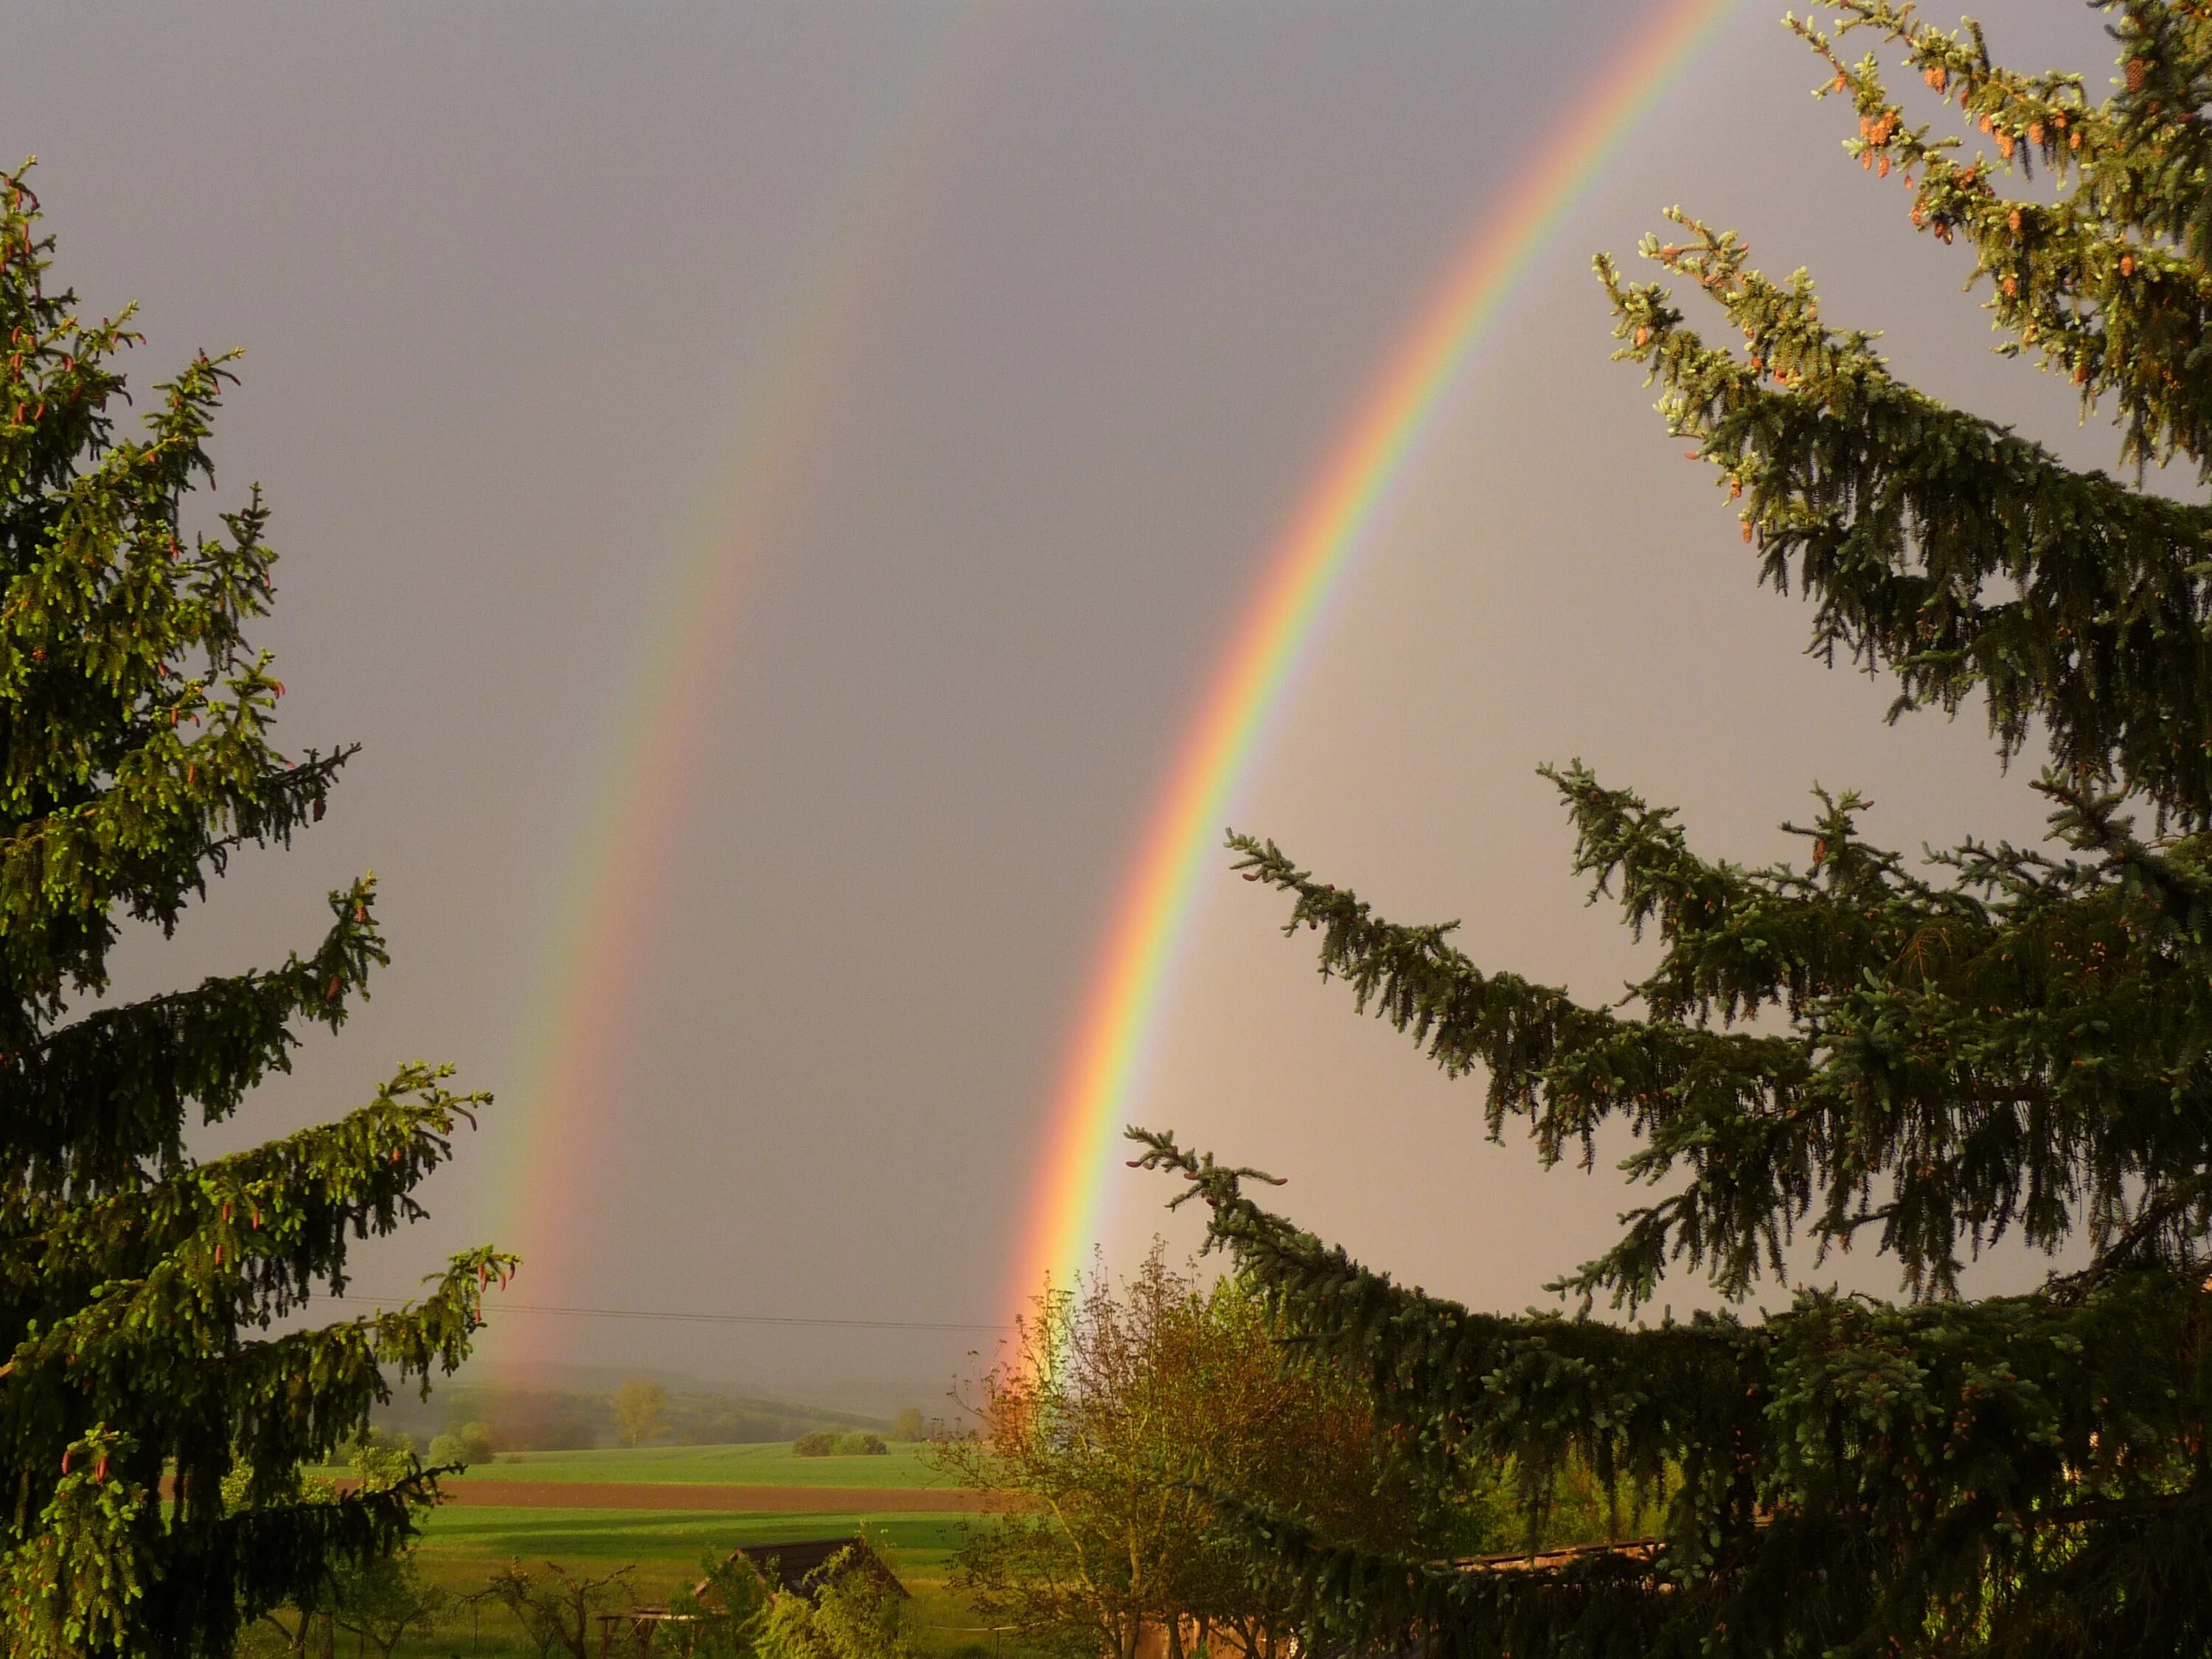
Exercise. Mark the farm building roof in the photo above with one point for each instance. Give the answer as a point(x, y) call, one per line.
point(799, 1565)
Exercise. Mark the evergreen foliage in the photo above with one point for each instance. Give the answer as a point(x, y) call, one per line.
point(2012, 1041)
point(141, 1287)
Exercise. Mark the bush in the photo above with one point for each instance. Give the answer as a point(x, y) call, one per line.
point(383, 1600)
point(468, 1446)
point(728, 1609)
point(380, 1460)
point(815, 1443)
point(863, 1442)
point(853, 1615)
point(559, 1610)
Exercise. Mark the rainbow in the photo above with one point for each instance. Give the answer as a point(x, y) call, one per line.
point(573, 1033)
point(1120, 1016)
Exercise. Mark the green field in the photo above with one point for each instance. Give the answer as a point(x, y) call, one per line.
point(462, 1544)
point(917, 1545)
point(769, 1465)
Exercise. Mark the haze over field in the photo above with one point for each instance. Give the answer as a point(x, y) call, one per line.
point(1039, 321)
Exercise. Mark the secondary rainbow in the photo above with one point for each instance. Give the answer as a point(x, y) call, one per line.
point(596, 960)
point(1334, 525)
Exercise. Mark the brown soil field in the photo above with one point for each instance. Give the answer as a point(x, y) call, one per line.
point(759, 1500)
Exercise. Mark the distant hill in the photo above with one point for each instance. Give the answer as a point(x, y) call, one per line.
point(530, 1416)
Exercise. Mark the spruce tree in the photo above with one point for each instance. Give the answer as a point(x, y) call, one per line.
point(1853, 1047)
point(150, 1298)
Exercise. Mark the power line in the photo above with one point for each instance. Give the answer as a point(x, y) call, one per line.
point(501, 1306)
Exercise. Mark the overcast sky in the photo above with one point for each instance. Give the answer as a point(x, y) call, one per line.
point(1092, 292)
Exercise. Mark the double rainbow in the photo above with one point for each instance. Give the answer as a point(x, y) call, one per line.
point(1334, 527)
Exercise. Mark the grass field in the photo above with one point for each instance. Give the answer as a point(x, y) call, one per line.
point(665, 1544)
point(461, 1546)
point(769, 1465)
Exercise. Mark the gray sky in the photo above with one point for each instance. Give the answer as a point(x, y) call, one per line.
point(514, 279)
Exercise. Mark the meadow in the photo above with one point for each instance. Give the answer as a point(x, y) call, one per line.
point(774, 1464)
point(463, 1544)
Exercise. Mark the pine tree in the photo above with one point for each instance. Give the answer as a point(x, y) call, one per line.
point(149, 1297)
point(2005, 1041)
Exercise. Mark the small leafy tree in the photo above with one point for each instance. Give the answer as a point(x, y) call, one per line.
point(1117, 1414)
point(846, 1612)
point(149, 1296)
point(557, 1609)
point(725, 1611)
point(386, 1600)
point(447, 1451)
point(289, 1627)
point(641, 1410)
point(908, 1425)
point(383, 1461)
point(1843, 1048)
point(463, 1448)
point(377, 1462)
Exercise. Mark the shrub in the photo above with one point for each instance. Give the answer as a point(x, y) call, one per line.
point(728, 1608)
point(853, 1615)
point(815, 1443)
point(381, 1459)
point(862, 1443)
point(559, 1609)
point(384, 1600)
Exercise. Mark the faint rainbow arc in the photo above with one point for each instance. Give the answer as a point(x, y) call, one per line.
point(595, 957)
point(1121, 1012)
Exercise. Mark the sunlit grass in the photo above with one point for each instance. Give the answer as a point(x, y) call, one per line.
point(462, 1545)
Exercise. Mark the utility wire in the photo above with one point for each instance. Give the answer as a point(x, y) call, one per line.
point(501, 1306)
